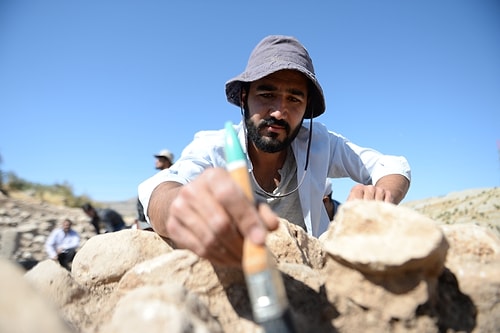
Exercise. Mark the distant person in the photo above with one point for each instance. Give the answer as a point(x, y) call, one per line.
point(62, 243)
point(112, 220)
point(164, 160)
point(331, 205)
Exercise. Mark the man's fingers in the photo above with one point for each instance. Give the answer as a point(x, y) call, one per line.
point(270, 219)
point(241, 210)
point(212, 215)
point(370, 192)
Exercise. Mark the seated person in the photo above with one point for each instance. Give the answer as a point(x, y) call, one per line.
point(62, 243)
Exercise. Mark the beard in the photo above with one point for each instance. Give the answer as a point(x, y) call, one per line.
point(270, 143)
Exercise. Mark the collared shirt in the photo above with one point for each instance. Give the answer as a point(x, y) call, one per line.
point(331, 155)
point(58, 239)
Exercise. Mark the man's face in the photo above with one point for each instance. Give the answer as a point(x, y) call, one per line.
point(90, 212)
point(275, 109)
point(162, 163)
point(66, 225)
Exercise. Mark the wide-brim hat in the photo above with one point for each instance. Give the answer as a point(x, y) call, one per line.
point(272, 54)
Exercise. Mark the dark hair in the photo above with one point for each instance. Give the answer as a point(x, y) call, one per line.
point(86, 207)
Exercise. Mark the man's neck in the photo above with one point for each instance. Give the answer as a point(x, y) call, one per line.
point(266, 166)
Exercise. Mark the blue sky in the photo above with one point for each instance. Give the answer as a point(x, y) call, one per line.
point(90, 90)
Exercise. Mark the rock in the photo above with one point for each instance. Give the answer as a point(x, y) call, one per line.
point(92, 264)
point(291, 244)
point(53, 281)
point(384, 258)
point(23, 309)
point(379, 268)
point(169, 308)
point(222, 290)
point(380, 238)
point(474, 257)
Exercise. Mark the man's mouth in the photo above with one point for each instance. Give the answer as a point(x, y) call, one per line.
point(275, 127)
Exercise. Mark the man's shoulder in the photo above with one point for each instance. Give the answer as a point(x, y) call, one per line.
point(319, 130)
point(57, 231)
point(207, 141)
point(209, 134)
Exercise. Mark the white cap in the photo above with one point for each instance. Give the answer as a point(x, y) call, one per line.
point(167, 154)
point(328, 187)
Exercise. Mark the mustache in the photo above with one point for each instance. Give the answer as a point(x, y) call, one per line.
point(273, 121)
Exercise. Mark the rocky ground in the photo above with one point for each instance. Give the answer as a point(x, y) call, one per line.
point(118, 270)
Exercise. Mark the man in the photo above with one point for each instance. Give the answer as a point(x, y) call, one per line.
point(198, 206)
point(331, 205)
point(62, 243)
point(164, 160)
point(111, 219)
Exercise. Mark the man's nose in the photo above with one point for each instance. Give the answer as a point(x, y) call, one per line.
point(279, 109)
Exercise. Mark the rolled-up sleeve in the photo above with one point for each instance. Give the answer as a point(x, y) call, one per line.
point(205, 151)
point(390, 165)
point(146, 188)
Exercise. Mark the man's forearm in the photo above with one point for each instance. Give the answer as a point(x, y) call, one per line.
point(159, 204)
point(398, 185)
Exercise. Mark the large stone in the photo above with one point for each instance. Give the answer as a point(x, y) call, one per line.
point(378, 237)
point(158, 309)
point(221, 289)
point(474, 256)
point(53, 281)
point(107, 257)
point(386, 258)
point(290, 243)
point(22, 309)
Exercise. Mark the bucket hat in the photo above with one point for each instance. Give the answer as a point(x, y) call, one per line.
point(272, 54)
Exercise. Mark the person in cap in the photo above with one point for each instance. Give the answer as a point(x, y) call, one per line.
point(164, 159)
point(198, 206)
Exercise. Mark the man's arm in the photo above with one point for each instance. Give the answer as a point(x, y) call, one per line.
point(209, 216)
point(390, 188)
point(397, 185)
point(159, 205)
point(50, 246)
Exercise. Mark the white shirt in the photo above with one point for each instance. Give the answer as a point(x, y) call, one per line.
point(331, 155)
point(58, 239)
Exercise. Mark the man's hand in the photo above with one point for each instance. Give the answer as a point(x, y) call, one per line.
point(210, 216)
point(391, 188)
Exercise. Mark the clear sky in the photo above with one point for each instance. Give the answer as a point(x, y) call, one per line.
point(90, 90)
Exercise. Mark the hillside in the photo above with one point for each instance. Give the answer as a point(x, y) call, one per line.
point(478, 206)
